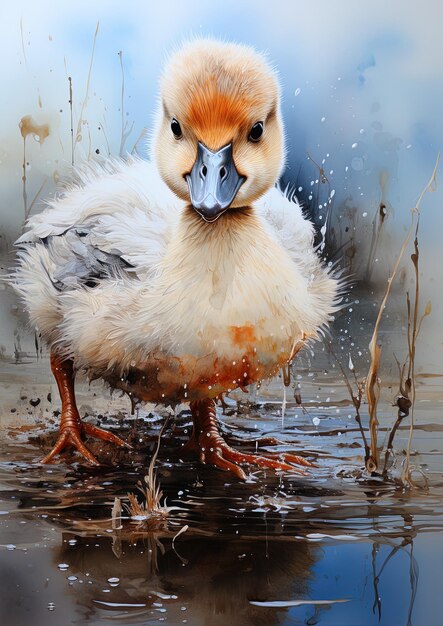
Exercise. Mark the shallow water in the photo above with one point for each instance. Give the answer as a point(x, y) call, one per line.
point(332, 535)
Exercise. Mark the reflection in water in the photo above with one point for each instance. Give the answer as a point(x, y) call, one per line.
point(329, 536)
point(215, 579)
point(406, 544)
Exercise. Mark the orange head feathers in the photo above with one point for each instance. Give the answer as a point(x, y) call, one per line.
point(215, 95)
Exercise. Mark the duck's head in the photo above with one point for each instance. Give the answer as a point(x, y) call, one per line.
point(219, 141)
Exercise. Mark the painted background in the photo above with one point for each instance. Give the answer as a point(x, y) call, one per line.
point(362, 86)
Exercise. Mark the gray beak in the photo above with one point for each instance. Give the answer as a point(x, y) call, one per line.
point(213, 182)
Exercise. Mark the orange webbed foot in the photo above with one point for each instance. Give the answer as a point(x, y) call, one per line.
point(71, 437)
point(207, 442)
point(72, 429)
point(225, 457)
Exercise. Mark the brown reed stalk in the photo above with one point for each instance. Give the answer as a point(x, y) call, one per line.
point(372, 384)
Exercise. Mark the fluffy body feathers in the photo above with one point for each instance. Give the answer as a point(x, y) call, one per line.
point(118, 279)
point(120, 274)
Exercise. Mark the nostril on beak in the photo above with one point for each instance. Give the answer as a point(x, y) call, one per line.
point(213, 181)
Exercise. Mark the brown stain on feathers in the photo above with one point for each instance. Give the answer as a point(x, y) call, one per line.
point(243, 335)
point(168, 379)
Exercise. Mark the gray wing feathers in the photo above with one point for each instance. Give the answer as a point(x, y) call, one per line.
point(78, 262)
point(116, 220)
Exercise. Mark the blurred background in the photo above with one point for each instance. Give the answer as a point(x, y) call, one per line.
point(362, 101)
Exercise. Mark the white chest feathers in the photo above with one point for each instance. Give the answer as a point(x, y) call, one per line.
point(217, 280)
point(225, 289)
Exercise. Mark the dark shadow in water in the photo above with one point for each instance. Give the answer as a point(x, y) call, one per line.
point(214, 578)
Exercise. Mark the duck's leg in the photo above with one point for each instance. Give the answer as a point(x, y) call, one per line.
point(71, 427)
point(211, 448)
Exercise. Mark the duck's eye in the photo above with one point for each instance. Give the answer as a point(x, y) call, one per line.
point(176, 128)
point(256, 132)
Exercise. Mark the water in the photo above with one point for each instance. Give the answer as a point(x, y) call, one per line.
point(333, 548)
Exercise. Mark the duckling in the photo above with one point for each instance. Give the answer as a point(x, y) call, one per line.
point(186, 276)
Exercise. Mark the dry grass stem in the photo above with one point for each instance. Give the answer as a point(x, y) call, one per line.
point(71, 114)
point(78, 135)
point(372, 385)
point(35, 198)
point(151, 508)
point(413, 332)
point(143, 134)
point(356, 398)
point(116, 513)
point(126, 130)
point(377, 226)
point(404, 404)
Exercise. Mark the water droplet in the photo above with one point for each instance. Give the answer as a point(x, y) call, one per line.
point(63, 566)
point(114, 582)
point(10, 546)
point(316, 421)
point(72, 579)
point(354, 145)
point(323, 119)
point(51, 606)
point(297, 92)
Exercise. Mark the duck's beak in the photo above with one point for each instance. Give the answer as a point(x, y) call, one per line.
point(213, 181)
